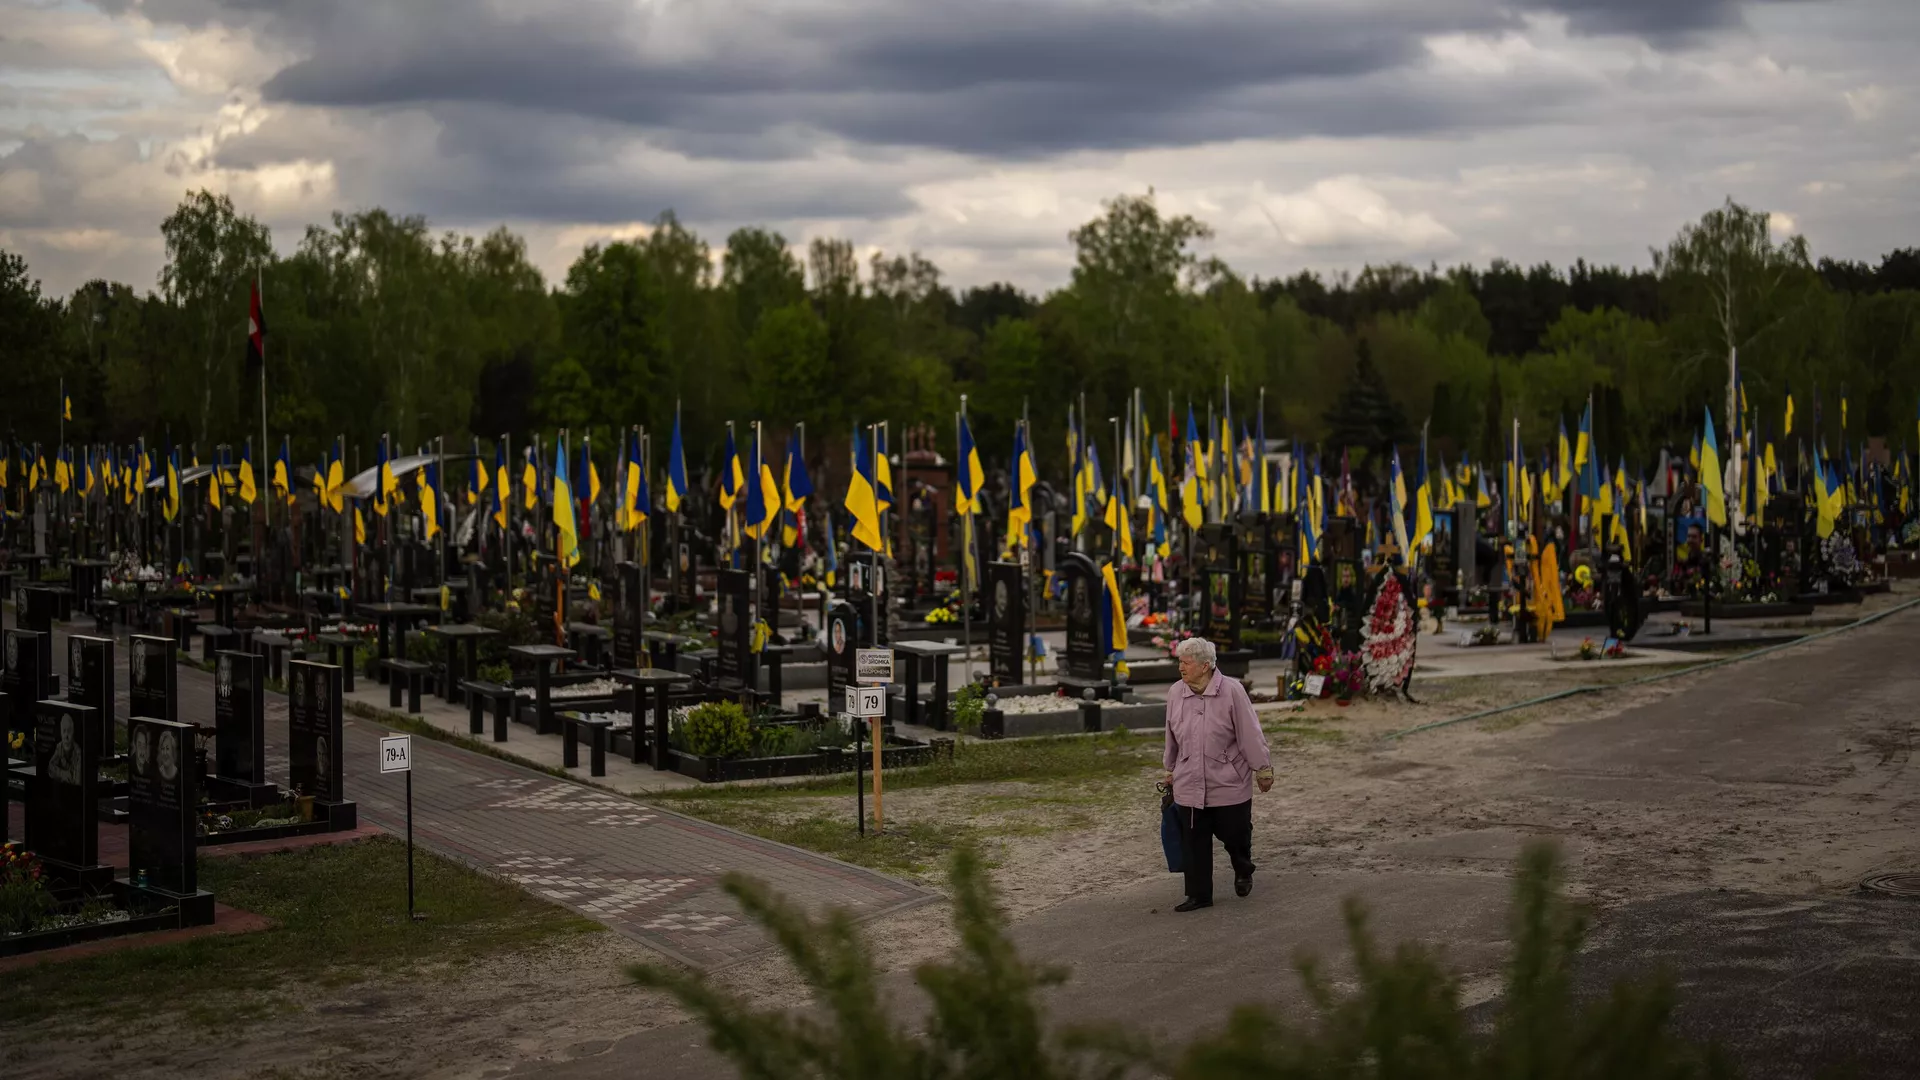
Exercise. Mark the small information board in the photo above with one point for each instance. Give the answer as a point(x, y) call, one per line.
point(396, 753)
point(867, 701)
point(873, 666)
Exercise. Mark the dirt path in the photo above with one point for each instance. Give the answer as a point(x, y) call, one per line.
point(1653, 790)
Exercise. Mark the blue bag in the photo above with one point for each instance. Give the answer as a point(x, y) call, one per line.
point(1170, 833)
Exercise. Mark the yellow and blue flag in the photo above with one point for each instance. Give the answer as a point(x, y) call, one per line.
point(732, 477)
point(1020, 498)
point(1710, 474)
point(970, 474)
point(567, 545)
point(676, 468)
point(862, 502)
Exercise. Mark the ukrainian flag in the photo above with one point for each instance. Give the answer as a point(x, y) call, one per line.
point(567, 547)
point(676, 468)
point(971, 474)
point(1710, 474)
point(1020, 501)
point(862, 502)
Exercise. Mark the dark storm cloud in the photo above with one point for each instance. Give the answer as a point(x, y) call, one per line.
point(1657, 21)
point(999, 78)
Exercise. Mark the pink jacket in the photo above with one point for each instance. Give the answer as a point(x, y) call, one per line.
point(1214, 743)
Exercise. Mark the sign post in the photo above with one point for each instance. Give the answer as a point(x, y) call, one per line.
point(396, 755)
point(873, 670)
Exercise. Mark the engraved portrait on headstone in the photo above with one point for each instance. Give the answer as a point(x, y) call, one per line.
point(64, 765)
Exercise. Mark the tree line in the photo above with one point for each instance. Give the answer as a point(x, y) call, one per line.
point(378, 323)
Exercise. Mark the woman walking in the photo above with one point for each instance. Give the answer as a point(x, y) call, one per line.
point(1215, 754)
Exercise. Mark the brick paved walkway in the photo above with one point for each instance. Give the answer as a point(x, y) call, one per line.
point(649, 873)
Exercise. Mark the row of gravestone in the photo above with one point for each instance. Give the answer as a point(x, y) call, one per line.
point(72, 739)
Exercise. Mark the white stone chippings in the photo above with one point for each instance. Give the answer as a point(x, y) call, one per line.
point(1036, 703)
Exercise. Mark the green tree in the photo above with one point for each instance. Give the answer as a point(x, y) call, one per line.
point(1402, 1017)
point(787, 364)
point(30, 379)
point(213, 253)
point(1366, 417)
point(1731, 288)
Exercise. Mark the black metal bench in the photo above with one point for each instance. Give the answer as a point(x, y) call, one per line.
point(411, 672)
point(343, 653)
point(103, 613)
point(596, 728)
point(214, 637)
point(482, 696)
point(274, 647)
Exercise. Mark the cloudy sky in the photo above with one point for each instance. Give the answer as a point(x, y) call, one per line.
point(1316, 134)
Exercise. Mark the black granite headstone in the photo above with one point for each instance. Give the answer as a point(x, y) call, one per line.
point(842, 636)
point(1083, 656)
point(160, 804)
point(1006, 622)
point(90, 682)
point(42, 603)
point(64, 790)
point(867, 588)
point(1342, 540)
point(239, 716)
point(1256, 569)
point(629, 605)
point(684, 574)
point(735, 590)
point(314, 728)
point(23, 674)
point(152, 689)
point(1441, 561)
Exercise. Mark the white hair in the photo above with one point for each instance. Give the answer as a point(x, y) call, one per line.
point(1196, 648)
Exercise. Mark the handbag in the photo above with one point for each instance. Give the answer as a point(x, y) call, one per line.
point(1170, 835)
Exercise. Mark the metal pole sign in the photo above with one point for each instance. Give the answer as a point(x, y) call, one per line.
point(873, 670)
point(396, 755)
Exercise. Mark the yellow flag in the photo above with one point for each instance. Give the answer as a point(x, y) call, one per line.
point(429, 504)
point(1118, 519)
point(359, 526)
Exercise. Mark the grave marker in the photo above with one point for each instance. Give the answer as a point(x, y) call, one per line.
point(152, 678)
point(736, 627)
point(1084, 656)
point(63, 794)
point(629, 607)
point(160, 804)
point(842, 636)
point(90, 682)
point(1219, 584)
point(1006, 622)
point(23, 675)
point(240, 728)
point(315, 728)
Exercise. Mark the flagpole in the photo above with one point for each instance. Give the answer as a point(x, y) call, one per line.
point(259, 288)
point(966, 548)
point(760, 540)
point(439, 496)
point(646, 533)
point(1026, 533)
point(1113, 490)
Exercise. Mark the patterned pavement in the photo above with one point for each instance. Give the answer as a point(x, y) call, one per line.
point(649, 873)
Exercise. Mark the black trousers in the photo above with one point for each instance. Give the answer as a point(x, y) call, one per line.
point(1198, 826)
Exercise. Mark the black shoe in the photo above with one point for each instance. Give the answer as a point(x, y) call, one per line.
point(1190, 904)
point(1242, 885)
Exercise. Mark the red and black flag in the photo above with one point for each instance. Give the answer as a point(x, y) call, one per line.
point(256, 334)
